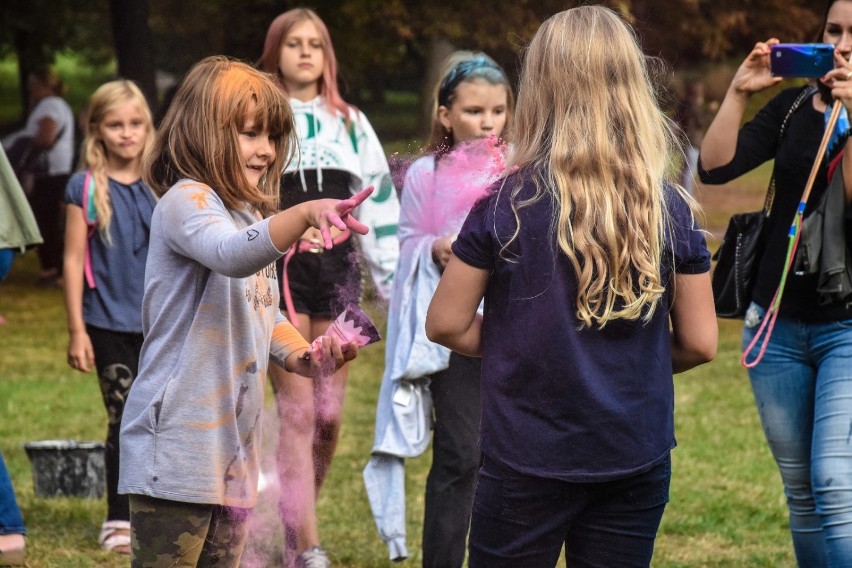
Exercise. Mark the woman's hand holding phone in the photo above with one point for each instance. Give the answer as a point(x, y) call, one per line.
point(753, 74)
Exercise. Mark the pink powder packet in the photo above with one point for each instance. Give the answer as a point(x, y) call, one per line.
point(351, 325)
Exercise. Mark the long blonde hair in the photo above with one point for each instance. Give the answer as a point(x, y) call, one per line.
point(94, 155)
point(588, 122)
point(198, 138)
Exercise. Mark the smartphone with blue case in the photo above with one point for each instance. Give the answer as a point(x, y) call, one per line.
point(801, 59)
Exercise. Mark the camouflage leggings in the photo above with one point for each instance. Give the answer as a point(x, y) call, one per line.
point(172, 533)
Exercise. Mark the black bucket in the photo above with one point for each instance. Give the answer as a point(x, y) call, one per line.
point(67, 468)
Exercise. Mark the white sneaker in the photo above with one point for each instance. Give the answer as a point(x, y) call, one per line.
point(313, 558)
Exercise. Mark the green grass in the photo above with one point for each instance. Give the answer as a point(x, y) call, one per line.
point(727, 507)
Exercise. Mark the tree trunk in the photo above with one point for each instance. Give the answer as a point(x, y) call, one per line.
point(439, 50)
point(133, 49)
point(32, 57)
point(24, 69)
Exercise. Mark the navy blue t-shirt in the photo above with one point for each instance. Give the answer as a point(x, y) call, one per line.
point(115, 303)
point(558, 401)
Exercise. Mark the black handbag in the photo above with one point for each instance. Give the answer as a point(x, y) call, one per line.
point(736, 263)
point(741, 247)
point(27, 158)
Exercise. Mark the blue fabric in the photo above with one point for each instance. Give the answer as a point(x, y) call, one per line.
point(557, 401)
point(384, 479)
point(803, 388)
point(11, 521)
point(7, 255)
point(840, 132)
point(119, 268)
point(521, 520)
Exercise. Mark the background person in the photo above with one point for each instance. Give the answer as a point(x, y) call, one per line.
point(18, 231)
point(50, 124)
point(473, 104)
point(338, 155)
point(692, 117)
point(803, 384)
point(12, 529)
point(104, 267)
point(18, 228)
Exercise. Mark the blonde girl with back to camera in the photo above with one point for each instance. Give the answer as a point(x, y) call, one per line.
point(190, 436)
point(596, 286)
point(108, 218)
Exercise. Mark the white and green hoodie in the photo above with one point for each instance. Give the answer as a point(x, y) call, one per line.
point(325, 142)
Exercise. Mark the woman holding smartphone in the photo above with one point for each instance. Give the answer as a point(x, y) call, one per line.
point(803, 384)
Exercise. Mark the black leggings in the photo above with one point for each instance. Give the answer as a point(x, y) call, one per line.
point(455, 462)
point(117, 361)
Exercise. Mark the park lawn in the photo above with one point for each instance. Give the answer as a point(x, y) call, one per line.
point(726, 509)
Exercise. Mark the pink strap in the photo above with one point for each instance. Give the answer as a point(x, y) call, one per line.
point(285, 288)
point(768, 318)
point(768, 324)
point(87, 262)
point(795, 233)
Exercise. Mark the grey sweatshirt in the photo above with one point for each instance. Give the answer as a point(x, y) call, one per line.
point(191, 426)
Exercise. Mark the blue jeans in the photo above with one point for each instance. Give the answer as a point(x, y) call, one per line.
point(11, 521)
point(6, 258)
point(521, 521)
point(803, 391)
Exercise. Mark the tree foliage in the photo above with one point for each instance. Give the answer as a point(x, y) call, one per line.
point(381, 44)
point(35, 30)
point(695, 32)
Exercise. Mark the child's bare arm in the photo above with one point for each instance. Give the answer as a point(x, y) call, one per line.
point(81, 355)
point(452, 320)
point(694, 330)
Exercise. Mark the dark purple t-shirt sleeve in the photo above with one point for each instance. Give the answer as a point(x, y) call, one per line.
point(474, 244)
point(685, 239)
